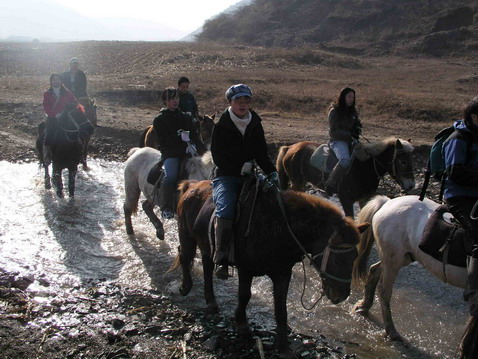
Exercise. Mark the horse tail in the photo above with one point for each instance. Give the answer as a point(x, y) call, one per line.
point(367, 238)
point(283, 178)
point(176, 264)
point(132, 151)
point(469, 341)
point(142, 140)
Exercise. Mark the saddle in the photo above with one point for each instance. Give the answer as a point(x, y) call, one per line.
point(205, 220)
point(323, 158)
point(444, 238)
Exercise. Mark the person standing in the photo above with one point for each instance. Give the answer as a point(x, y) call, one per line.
point(344, 131)
point(460, 152)
point(187, 101)
point(75, 79)
point(177, 137)
point(237, 140)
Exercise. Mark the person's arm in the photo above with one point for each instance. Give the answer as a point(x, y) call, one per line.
point(82, 89)
point(262, 156)
point(455, 152)
point(48, 105)
point(335, 132)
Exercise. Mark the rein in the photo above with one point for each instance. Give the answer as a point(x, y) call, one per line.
point(73, 121)
point(325, 253)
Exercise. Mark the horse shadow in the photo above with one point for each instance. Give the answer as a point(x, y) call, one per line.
point(78, 225)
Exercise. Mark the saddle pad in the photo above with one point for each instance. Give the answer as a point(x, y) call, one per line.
point(438, 231)
point(155, 173)
point(323, 159)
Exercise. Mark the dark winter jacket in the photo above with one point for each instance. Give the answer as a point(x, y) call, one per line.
point(187, 103)
point(344, 126)
point(460, 152)
point(53, 105)
point(78, 86)
point(166, 126)
point(230, 150)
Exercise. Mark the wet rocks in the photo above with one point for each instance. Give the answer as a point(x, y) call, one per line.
point(103, 320)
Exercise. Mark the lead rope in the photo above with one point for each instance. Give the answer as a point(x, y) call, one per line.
point(303, 291)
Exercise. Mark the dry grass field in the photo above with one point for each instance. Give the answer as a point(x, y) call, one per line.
point(406, 97)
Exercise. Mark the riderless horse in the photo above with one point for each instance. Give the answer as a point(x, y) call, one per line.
point(277, 232)
point(371, 162)
point(72, 129)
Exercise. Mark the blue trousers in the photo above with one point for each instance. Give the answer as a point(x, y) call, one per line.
point(341, 150)
point(225, 191)
point(169, 183)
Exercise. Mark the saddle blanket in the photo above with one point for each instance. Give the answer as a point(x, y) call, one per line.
point(323, 159)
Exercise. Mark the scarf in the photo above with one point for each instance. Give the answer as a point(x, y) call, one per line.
point(56, 91)
point(241, 123)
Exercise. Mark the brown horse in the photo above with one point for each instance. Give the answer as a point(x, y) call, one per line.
point(372, 162)
point(205, 127)
point(90, 111)
point(269, 248)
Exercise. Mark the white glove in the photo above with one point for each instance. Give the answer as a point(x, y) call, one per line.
point(185, 136)
point(246, 168)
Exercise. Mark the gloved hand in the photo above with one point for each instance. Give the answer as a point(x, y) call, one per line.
point(191, 149)
point(272, 180)
point(246, 168)
point(184, 135)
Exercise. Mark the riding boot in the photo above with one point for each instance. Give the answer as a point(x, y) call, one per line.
point(223, 240)
point(166, 194)
point(334, 179)
point(471, 292)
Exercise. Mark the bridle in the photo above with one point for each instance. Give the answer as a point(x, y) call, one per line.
point(392, 164)
point(76, 126)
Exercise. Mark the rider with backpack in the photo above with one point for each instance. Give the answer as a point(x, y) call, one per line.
point(55, 100)
point(177, 138)
point(237, 140)
point(460, 152)
point(344, 131)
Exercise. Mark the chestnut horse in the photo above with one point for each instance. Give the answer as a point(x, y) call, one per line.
point(72, 128)
point(205, 127)
point(285, 227)
point(372, 161)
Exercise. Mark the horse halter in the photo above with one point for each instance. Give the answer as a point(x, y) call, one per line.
point(75, 124)
point(325, 254)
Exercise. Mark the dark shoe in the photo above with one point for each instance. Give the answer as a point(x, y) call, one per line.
point(222, 272)
point(167, 214)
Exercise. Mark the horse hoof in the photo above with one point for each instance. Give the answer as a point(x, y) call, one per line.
point(243, 329)
point(160, 234)
point(361, 310)
point(47, 185)
point(129, 231)
point(394, 336)
point(59, 194)
point(185, 289)
point(212, 309)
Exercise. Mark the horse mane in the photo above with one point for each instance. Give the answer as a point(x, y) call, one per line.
point(365, 151)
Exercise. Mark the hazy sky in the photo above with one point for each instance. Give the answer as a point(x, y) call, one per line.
point(185, 15)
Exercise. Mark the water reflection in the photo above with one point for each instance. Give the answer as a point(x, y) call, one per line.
point(72, 241)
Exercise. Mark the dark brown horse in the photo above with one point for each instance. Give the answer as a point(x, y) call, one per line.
point(72, 128)
point(90, 110)
point(372, 162)
point(270, 249)
point(205, 127)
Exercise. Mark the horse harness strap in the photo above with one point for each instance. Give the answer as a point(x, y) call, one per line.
point(445, 250)
point(325, 253)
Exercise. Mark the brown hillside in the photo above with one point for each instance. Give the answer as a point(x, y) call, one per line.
point(438, 27)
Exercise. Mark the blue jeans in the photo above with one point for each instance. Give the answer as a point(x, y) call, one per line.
point(170, 179)
point(225, 191)
point(341, 150)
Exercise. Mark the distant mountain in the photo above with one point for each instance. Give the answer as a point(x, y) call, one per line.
point(46, 20)
point(436, 27)
point(230, 10)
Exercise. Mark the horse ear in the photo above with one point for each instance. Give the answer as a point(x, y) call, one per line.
point(398, 144)
point(409, 140)
point(213, 116)
point(362, 227)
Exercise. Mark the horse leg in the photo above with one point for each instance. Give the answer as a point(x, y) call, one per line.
point(85, 154)
point(208, 268)
point(363, 306)
point(385, 287)
point(47, 176)
point(148, 208)
point(281, 287)
point(57, 181)
point(187, 250)
point(348, 206)
point(72, 181)
point(245, 283)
